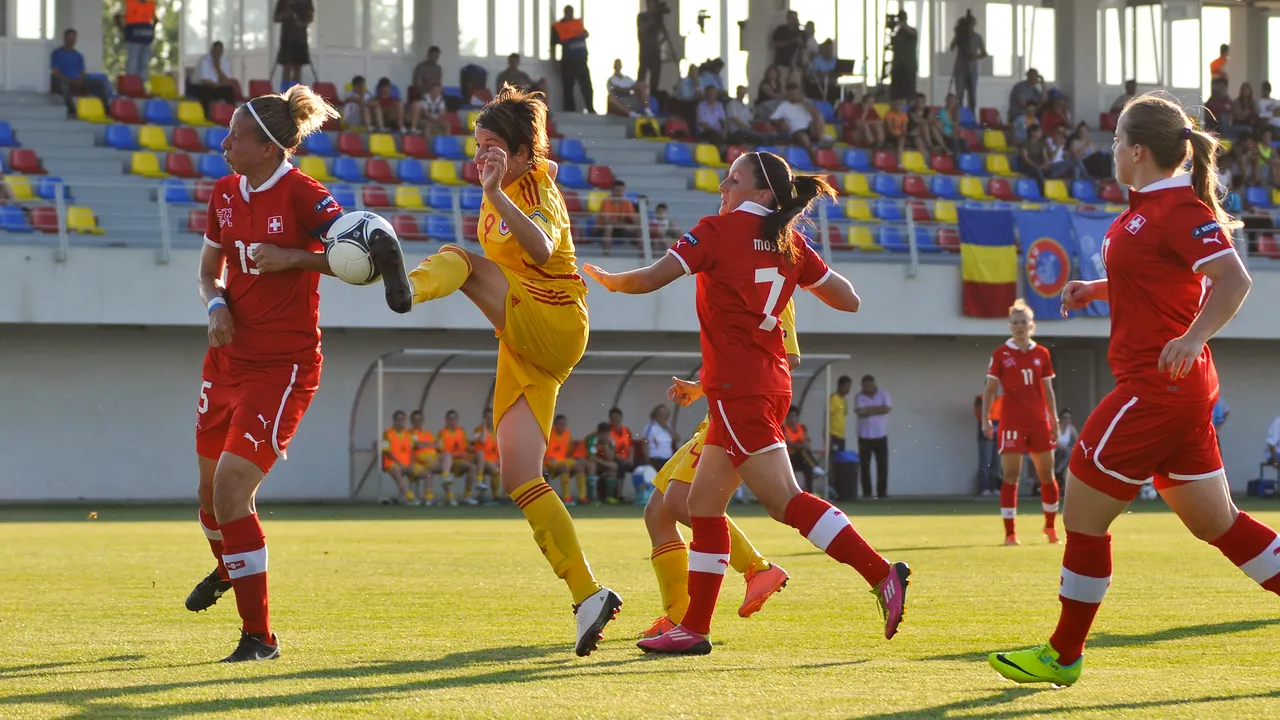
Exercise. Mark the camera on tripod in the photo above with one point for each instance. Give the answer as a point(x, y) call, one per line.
point(891, 21)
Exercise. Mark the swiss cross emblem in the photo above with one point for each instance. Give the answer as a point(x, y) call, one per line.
point(275, 224)
point(1037, 362)
point(1135, 224)
point(224, 217)
point(1010, 362)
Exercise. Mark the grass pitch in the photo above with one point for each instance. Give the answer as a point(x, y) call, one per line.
point(405, 612)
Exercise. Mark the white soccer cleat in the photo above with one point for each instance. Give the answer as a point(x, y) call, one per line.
point(593, 614)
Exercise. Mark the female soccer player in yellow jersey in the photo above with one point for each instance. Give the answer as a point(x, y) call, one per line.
point(670, 503)
point(527, 285)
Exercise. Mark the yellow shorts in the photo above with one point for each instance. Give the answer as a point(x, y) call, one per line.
point(421, 467)
point(682, 466)
point(554, 465)
point(545, 337)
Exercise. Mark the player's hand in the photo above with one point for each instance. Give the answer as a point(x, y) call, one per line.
point(684, 392)
point(988, 430)
point(600, 275)
point(1075, 296)
point(492, 164)
point(1179, 356)
point(221, 327)
point(272, 258)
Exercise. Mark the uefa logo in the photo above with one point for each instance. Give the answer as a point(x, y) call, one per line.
point(1048, 267)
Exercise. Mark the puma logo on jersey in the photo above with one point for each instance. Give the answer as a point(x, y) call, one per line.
point(1084, 449)
point(265, 422)
point(226, 198)
point(1211, 239)
point(1135, 224)
point(251, 439)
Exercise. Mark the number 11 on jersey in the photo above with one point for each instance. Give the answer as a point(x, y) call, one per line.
point(774, 278)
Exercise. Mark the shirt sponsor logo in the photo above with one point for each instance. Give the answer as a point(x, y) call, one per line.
point(326, 203)
point(275, 224)
point(1206, 229)
point(1135, 224)
point(689, 238)
point(1211, 239)
point(224, 217)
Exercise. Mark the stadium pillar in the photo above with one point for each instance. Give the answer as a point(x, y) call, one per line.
point(86, 17)
point(1077, 49)
point(763, 16)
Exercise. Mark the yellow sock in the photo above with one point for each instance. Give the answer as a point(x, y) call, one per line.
point(742, 555)
point(671, 566)
point(554, 532)
point(582, 486)
point(440, 275)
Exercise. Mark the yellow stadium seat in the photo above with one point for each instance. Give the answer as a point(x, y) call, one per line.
point(998, 164)
point(1056, 190)
point(471, 120)
point(470, 146)
point(860, 238)
point(859, 210)
point(408, 197)
point(973, 188)
point(1275, 196)
point(315, 167)
point(91, 109)
point(994, 141)
point(706, 179)
point(882, 109)
point(20, 186)
point(595, 200)
point(708, 156)
point(1031, 206)
point(80, 219)
point(830, 131)
point(944, 211)
point(914, 162)
point(165, 87)
point(1116, 208)
point(146, 164)
point(445, 172)
point(653, 133)
point(152, 137)
point(856, 184)
point(190, 113)
point(1226, 144)
point(383, 145)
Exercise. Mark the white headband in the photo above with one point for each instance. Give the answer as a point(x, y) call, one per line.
point(760, 159)
point(283, 149)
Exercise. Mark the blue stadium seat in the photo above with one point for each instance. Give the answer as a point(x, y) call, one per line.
point(571, 176)
point(926, 241)
point(679, 154)
point(439, 227)
point(1028, 190)
point(891, 239)
point(212, 165)
point(451, 91)
point(572, 150)
point(344, 194)
point(798, 158)
point(828, 112)
point(857, 160)
point(47, 188)
point(412, 172)
point(7, 138)
point(448, 146)
point(1257, 196)
point(158, 112)
point(439, 197)
point(176, 191)
point(13, 219)
point(121, 137)
point(769, 149)
point(106, 82)
point(1084, 191)
point(213, 138)
point(472, 197)
point(346, 168)
point(973, 164)
point(320, 144)
point(286, 84)
point(944, 186)
point(967, 118)
point(885, 185)
point(889, 210)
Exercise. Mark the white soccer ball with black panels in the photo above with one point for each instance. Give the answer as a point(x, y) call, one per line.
point(347, 246)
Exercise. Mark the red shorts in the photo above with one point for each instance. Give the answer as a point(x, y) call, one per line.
point(251, 411)
point(1128, 442)
point(747, 426)
point(1022, 439)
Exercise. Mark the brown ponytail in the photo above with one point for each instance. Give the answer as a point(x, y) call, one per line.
point(793, 196)
point(291, 116)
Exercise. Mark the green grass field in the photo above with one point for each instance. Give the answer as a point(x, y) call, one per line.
point(405, 612)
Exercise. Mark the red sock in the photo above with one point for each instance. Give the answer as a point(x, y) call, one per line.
point(1086, 575)
point(1255, 549)
point(209, 524)
point(829, 530)
point(1049, 501)
point(245, 555)
point(708, 560)
point(1008, 505)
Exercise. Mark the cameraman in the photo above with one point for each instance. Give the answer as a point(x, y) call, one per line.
point(906, 60)
point(970, 48)
point(649, 31)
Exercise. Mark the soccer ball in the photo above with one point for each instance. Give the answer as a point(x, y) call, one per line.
point(1148, 492)
point(347, 246)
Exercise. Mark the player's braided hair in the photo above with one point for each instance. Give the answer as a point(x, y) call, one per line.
point(793, 196)
point(520, 119)
point(286, 119)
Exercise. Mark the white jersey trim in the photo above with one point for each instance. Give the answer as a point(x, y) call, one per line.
point(1201, 476)
point(683, 264)
point(821, 280)
point(284, 169)
point(734, 436)
point(209, 241)
point(275, 430)
point(1207, 258)
point(1097, 453)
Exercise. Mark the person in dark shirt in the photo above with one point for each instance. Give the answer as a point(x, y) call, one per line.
point(787, 40)
point(66, 66)
point(1034, 158)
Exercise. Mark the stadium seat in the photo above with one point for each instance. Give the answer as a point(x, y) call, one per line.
point(20, 186)
point(320, 144)
point(967, 118)
point(185, 138)
point(886, 185)
point(882, 108)
point(994, 141)
point(13, 219)
point(827, 109)
point(347, 168)
point(165, 87)
point(944, 164)
point(220, 113)
point(1111, 191)
point(646, 128)
point(1027, 189)
point(472, 116)
point(1001, 189)
point(1275, 196)
point(471, 198)
point(213, 165)
point(409, 198)
point(379, 170)
point(708, 155)
point(47, 188)
point(601, 176)
point(733, 152)
point(440, 227)
point(455, 125)
point(352, 145)
point(676, 128)
point(858, 209)
point(44, 219)
point(572, 201)
point(595, 200)
point(470, 146)
point(998, 164)
point(406, 226)
point(315, 167)
point(972, 164)
point(196, 220)
point(343, 194)
point(470, 172)
point(203, 191)
point(914, 162)
point(829, 160)
point(448, 146)
point(82, 220)
point(445, 172)
point(926, 242)
point(412, 172)
point(860, 238)
point(146, 164)
point(439, 197)
point(90, 109)
point(1258, 197)
point(131, 86)
point(1056, 190)
point(1107, 121)
point(971, 141)
point(890, 211)
point(891, 238)
point(972, 188)
point(856, 184)
point(191, 113)
point(798, 158)
point(375, 196)
point(470, 227)
point(7, 138)
point(990, 118)
point(944, 211)
point(327, 92)
point(770, 149)
point(1083, 191)
point(176, 191)
point(153, 137)
point(120, 137)
point(856, 159)
point(452, 91)
point(887, 161)
point(415, 146)
point(677, 153)
point(949, 239)
point(915, 186)
point(572, 150)
point(158, 112)
point(260, 87)
point(179, 164)
point(918, 211)
point(706, 180)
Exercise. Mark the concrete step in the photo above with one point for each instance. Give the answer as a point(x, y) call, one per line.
point(626, 171)
point(124, 197)
point(616, 155)
point(104, 169)
point(14, 99)
point(33, 112)
point(46, 137)
point(59, 152)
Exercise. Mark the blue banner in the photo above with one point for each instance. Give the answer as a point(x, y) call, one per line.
point(1047, 258)
point(1091, 231)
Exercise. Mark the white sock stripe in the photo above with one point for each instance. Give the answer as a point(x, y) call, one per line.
point(1049, 507)
point(209, 533)
point(253, 562)
point(1266, 565)
point(714, 563)
point(1008, 513)
point(1083, 588)
point(827, 528)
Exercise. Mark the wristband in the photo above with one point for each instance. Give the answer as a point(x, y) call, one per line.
point(217, 302)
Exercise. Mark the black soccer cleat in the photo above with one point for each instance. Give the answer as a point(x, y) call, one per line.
point(253, 648)
point(388, 259)
point(207, 592)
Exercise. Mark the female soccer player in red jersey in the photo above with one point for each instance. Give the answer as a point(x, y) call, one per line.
point(1158, 422)
point(263, 363)
point(1024, 370)
point(749, 259)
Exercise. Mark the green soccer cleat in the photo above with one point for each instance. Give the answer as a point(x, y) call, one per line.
point(1037, 664)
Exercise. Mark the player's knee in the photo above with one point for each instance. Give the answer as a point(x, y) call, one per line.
point(1209, 526)
point(677, 506)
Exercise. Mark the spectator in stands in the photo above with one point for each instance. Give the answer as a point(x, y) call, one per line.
point(1218, 67)
point(1061, 163)
point(624, 454)
point(359, 108)
point(294, 16)
point(618, 217)
point(1250, 165)
point(800, 450)
point(660, 440)
point(738, 119)
point(896, 123)
point(803, 60)
point(1034, 157)
point(212, 79)
point(571, 36)
point(711, 74)
point(138, 26)
point(794, 120)
point(1219, 106)
point(969, 48)
point(599, 458)
point(390, 110)
point(649, 32)
point(66, 66)
point(1094, 163)
point(924, 128)
point(663, 232)
point(1268, 108)
point(822, 71)
point(788, 39)
point(1130, 92)
point(427, 113)
point(1055, 116)
point(838, 412)
point(1031, 89)
point(872, 406)
point(1244, 109)
point(770, 94)
point(949, 125)
point(713, 125)
point(1022, 123)
point(868, 128)
point(426, 75)
point(1068, 435)
point(513, 75)
point(906, 59)
point(627, 97)
point(1268, 159)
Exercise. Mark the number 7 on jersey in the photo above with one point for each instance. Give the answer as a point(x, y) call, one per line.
point(774, 278)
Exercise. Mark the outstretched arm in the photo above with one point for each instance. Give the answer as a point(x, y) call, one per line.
point(641, 281)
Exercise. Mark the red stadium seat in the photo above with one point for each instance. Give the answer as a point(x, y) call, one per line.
point(1268, 247)
point(915, 186)
point(25, 160)
point(1111, 191)
point(949, 239)
point(1107, 121)
point(552, 130)
point(919, 211)
point(407, 227)
point(572, 201)
point(186, 138)
point(887, 161)
point(455, 124)
point(131, 86)
point(944, 164)
point(835, 235)
point(327, 91)
point(733, 152)
point(45, 219)
point(352, 144)
point(204, 191)
point(601, 176)
point(196, 220)
point(471, 227)
point(971, 140)
point(260, 87)
point(828, 160)
point(990, 118)
point(676, 128)
point(220, 113)
point(470, 172)
point(124, 110)
point(1002, 189)
point(415, 146)
point(379, 170)
point(375, 196)
point(179, 165)
point(235, 85)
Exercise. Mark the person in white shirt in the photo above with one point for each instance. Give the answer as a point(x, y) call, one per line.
point(1269, 107)
point(872, 406)
point(1067, 437)
point(428, 113)
point(627, 97)
point(659, 437)
point(212, 79)
point(738, 117)
point(795, 120)
point(662, 229)
point(358, 105)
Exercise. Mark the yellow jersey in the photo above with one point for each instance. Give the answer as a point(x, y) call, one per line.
point(790, 342)
point(839, 410)
point(539, 199)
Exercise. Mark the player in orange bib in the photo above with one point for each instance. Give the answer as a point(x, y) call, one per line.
point(560, 461)
point(397, 455)
point(455, 459)
point(486, 456)
point(426, 458)
point(527, 285)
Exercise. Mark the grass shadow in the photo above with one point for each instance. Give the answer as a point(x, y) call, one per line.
point(1010, 694)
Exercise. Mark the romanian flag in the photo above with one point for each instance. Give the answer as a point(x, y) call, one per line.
point(988, 262)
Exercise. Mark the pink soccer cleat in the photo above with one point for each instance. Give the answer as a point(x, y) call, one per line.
point(677, 641)
point(891, 593)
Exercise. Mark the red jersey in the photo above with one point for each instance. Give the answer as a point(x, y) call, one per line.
point(277, 315)
point(743, 285)
point(1153, 253)
point(1021, 374)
